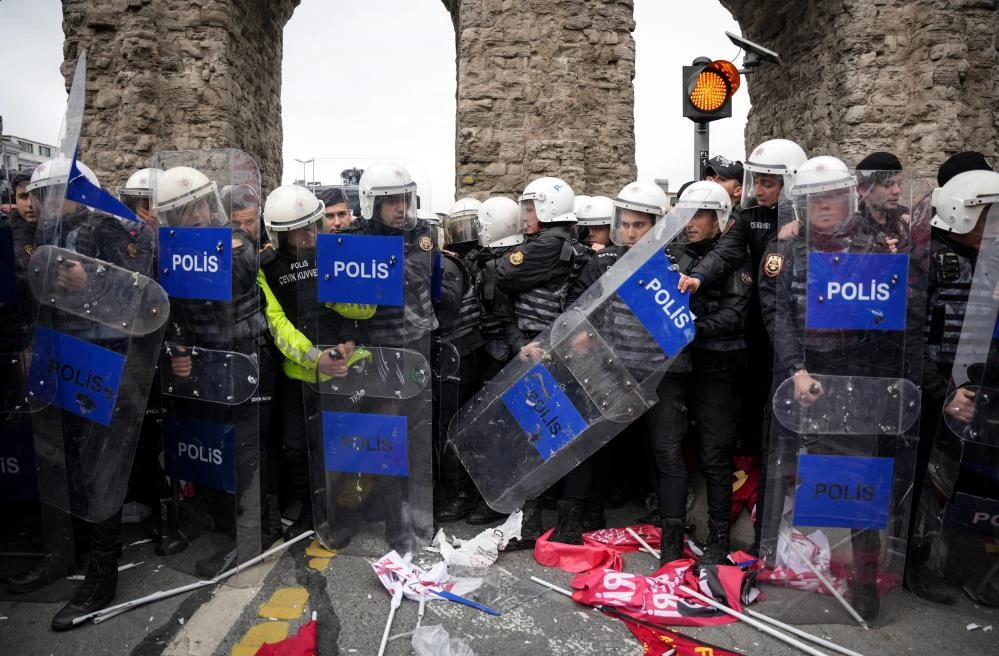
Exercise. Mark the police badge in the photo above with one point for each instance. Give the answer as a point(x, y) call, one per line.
point(773, 265)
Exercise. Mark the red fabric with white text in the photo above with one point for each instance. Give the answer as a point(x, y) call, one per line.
point(658, 598)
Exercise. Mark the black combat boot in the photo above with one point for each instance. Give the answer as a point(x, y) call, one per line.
point(593, 518)
point(671, 545)
point(96, 591)
point(923, 581)
point(483, 514)
point(864, 594)
point(530, 527)
point(302, 524)
point(454, 506)
point(717, 548)
point(569, 529)
point(271, 530)
point(50, 569)
point(221, 561)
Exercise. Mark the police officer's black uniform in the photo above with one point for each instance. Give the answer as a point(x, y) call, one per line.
point(537, 276)
point(703, 379)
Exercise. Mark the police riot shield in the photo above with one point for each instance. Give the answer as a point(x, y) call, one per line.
point(34, 533)
point(366, 305)
point(847, 298)
point(958, 522)
point(213, 369)
point(100, 322)
point(591, 373)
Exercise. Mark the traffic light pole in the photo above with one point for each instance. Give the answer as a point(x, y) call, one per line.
point(701, 139)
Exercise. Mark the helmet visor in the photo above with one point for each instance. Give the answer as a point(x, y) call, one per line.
point(461, 229)
point(395, 207)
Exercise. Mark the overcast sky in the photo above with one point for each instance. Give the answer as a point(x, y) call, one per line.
point(332, 108)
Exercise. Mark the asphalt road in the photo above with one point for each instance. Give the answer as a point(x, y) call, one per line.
point(352, 607)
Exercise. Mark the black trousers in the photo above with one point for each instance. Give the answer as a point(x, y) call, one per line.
point(710, 391)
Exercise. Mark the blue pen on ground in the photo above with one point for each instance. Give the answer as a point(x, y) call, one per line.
point(450, 596)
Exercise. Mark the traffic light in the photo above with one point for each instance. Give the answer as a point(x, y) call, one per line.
point(708, 87)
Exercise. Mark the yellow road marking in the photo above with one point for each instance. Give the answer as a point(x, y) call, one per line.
point(285, 604)
point(258, 635)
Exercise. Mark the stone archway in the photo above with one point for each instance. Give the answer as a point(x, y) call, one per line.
point(918, 77)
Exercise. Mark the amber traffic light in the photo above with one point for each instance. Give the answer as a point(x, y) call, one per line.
point(708, 87)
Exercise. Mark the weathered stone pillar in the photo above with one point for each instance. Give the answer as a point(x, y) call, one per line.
point(919, 78)
point(544, 88)
point(178, 74)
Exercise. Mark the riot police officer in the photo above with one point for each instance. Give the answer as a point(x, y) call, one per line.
point(704, 381)
point(298, 324)
point(634, 212)
point(958, 369)
point(202, 330)
point(594, 215)
point(768, 173)
point(827, 199)
point(537, 275)
point(64, 223)
point(459, 322)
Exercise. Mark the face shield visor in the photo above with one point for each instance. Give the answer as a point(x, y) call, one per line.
point(395, 207)
point(462, 228)
point(199, 208)
point(763, 186)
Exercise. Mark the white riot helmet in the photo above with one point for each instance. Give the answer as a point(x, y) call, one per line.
point(290, 207)
point(959, 203)
point(553, 199)
point(780, 157)
point(500, 223)
point(140, 184)
point(48, 185)
point(595, 211)
point(186, 197)
point(383, 181)
point(460, 225)
point(707, 195)
point(578, 202)
point(436, 222)
point(823, 175)
point(638, 196)
point(56, 172)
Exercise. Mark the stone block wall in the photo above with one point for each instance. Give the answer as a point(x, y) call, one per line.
point(177, 75)
point(919, 78)
point(544, 88)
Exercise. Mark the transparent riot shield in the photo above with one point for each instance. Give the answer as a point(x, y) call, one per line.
point(583, 380)
point(848, 298)
point(369, 398)
point(957, 527)
point(101, 320)
point(213, 367)
point(35, 534)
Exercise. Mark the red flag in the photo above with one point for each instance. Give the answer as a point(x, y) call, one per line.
point(657, 642)
point(576, 558)
point(302, 643)
point(658, 598)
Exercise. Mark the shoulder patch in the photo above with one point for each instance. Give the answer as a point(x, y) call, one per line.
point(746, 279)
point(517, 258)
point(426, 243)
point(132, 250)
point(236, 243)
point(29, 248)
point(773, 264)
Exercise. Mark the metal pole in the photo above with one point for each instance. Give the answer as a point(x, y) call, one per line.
point(701, 139)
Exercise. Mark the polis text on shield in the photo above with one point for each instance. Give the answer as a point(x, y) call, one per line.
point(199, 453)
point(677, 312)
point(203, 263)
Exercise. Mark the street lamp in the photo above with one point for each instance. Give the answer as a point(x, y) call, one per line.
point(303, 162)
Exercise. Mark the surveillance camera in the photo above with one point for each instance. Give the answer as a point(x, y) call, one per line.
point(755, 53)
